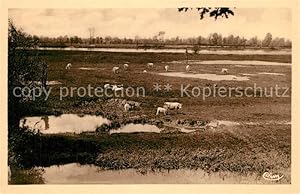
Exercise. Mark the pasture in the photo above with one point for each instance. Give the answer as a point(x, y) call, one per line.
point(246, 149)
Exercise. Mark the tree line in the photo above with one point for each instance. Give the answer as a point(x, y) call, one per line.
point(214, 39)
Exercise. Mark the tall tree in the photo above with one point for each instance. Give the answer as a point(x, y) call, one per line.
point(267, 40)
point(24, 69)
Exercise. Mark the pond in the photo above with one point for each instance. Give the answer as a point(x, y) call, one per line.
point(207, 76)
point(65, 123)
point(203, 51)
point(241, 63)
point(75, 173)
point(146, 128)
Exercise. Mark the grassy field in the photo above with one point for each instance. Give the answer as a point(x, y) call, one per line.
point(242, 149)
point(239, 109)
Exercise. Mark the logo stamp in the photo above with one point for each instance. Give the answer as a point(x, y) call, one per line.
point(272, 177)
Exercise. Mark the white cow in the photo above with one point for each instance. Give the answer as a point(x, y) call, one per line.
point(161, 110)
point(150, 65)
point(127, 107)
point(107, 86)
point(167, 67)
point(134, 104)
point(125, 66)
point(187, 68)
point(124, 102)
point(116, 88)
point(145, 71)
point(68, 66)
point(224, 70)
point(116, 69)
point(173, 105)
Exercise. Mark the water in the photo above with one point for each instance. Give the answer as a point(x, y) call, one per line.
point(263, 73)
point(267, 73)
point(90, 68)
point(216, 52)
point(133, 128)
point(207, 76)
point(220, 123)
point(249, 74)
point(231, 62)
point(146, 128)
point(66, 123)
point(90, 174)
point(48, 83)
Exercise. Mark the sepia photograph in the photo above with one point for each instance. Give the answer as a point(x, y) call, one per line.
point(184, 95)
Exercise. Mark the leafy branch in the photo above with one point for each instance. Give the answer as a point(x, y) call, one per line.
point(213, 12)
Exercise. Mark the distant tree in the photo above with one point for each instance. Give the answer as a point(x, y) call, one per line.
point(253, 41)
point(277, 42)
point(213, 39)
point(267, 40)
point(288, 43)
point(230, 40)
point(225, 41)
point(243, 42)
point(200, 40)
point(236, 41)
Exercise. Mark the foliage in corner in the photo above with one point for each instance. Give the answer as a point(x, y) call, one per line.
point(213, 12)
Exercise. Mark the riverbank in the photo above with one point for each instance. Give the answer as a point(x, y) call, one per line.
point(239, 149)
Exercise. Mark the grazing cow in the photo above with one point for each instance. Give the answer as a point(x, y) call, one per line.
point(187, 68)
point(127, 107)
point(167, 67)
point(125, 66)
point(145, 71)
point(150, 65)
point(116, 69)
point(68, 66)
point(161, 110)
point(224, 70)
point(124, 102)
point(173, 105)
point(107, 86)
point(133, 103)
point(116, 88)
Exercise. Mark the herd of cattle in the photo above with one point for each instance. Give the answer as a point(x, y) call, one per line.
point(131, 105)
point(116, 69)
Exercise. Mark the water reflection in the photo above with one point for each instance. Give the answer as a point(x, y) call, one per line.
point(65, 123)
point(46, 120)
point(87, 174)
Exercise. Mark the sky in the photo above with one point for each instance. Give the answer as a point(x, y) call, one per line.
point(146, 23)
